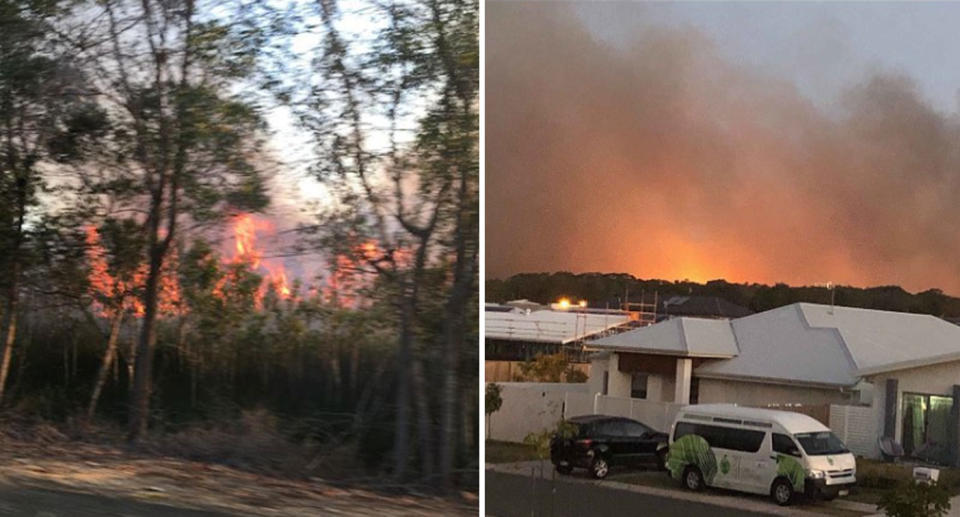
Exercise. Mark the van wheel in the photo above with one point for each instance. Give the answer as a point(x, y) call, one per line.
point(599, 468)
point(693, 479)
point(782, 492)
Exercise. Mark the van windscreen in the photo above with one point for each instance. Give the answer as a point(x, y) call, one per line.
point(820, 443)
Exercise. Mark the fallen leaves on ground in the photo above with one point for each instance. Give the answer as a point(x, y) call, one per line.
point(117, 473)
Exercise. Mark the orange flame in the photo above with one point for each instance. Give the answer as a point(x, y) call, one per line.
point(114, 293)
point(245, 229)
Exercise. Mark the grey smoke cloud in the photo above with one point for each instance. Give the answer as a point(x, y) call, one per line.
point(662, 159)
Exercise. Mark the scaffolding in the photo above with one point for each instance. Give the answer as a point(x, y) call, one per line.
point(642, 313)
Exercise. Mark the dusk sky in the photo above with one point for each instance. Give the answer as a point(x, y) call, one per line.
point(799, 143)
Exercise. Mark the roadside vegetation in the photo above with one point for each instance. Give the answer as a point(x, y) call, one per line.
point(876, 478)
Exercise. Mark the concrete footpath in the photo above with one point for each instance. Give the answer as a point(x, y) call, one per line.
point(511, 490)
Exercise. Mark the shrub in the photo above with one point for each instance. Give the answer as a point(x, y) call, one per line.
point(911, 499)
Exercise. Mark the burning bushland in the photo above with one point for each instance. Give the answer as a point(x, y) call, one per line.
point(234, 333)
point(144, 282)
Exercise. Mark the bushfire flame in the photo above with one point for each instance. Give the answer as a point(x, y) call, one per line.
point(245, 229)
point(113, 293)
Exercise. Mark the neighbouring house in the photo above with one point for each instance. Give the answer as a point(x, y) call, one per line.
point(700, 307)
point(676, 306)
point(800, 354)
point(514, 334)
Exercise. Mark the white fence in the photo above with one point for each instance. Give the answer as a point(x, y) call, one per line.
point(533, 407)
point(858, 427)
point(529, 408)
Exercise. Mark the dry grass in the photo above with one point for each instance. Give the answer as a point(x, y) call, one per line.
point(244, 467)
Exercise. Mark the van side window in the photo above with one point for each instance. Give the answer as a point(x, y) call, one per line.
point(745, 440)
point(784, 445)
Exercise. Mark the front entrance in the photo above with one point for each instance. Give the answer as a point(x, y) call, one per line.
point(925, 423)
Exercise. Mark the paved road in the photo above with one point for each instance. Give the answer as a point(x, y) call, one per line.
point(512, 495)
point(30, 502)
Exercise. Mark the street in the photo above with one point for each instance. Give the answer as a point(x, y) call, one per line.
point(32, 502)
point(514, 495)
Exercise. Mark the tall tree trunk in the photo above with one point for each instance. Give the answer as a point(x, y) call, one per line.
point(354, 369)
point(109, 358)
point(454, 328)
point(131, 360)
point(423, 421)
point(9, 327)
point(194, 358)
point(408, 314)
point(469, 412)
point(336, 395)
point(9, 330)
point(143, 363)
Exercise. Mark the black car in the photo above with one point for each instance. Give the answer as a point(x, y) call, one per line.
point(597, 442)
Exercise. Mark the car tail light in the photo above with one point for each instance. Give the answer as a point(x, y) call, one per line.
point(584, 443)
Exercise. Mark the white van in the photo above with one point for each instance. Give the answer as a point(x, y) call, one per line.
point(762, 451)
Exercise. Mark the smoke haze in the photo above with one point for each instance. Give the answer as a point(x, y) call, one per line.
point(663, 160)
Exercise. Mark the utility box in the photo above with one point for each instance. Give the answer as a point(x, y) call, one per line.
point(926, 474)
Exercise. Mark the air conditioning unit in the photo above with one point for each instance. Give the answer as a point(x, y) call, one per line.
point(926, 474)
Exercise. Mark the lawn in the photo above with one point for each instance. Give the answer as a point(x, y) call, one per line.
point(507, 452)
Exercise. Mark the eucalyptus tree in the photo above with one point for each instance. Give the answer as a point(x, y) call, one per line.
point(43, 107)
point(396, 125)
point(185, 141)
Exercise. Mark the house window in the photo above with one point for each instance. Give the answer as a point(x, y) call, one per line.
point(694, 390)
point(606, 381)
point(638, 386)
point(925, 426)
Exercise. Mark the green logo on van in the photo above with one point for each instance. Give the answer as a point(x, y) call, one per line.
point(692, 450)
point(791, 469)
point(725, 465)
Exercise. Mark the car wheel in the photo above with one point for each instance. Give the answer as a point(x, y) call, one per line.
point(599, 468)
point(662, 459)
point(564, 469)
point(693, 479)
point(781, 492)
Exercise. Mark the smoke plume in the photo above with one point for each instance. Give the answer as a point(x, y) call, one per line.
point(666, 161)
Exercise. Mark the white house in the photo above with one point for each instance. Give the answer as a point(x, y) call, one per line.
point(802, 353)
point(519, 331)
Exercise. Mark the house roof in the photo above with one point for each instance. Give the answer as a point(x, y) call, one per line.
point(778, 345)
point(689, 337)
point(801, 343)
point(549, 326)
point(711, 306)
point(880, 341)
